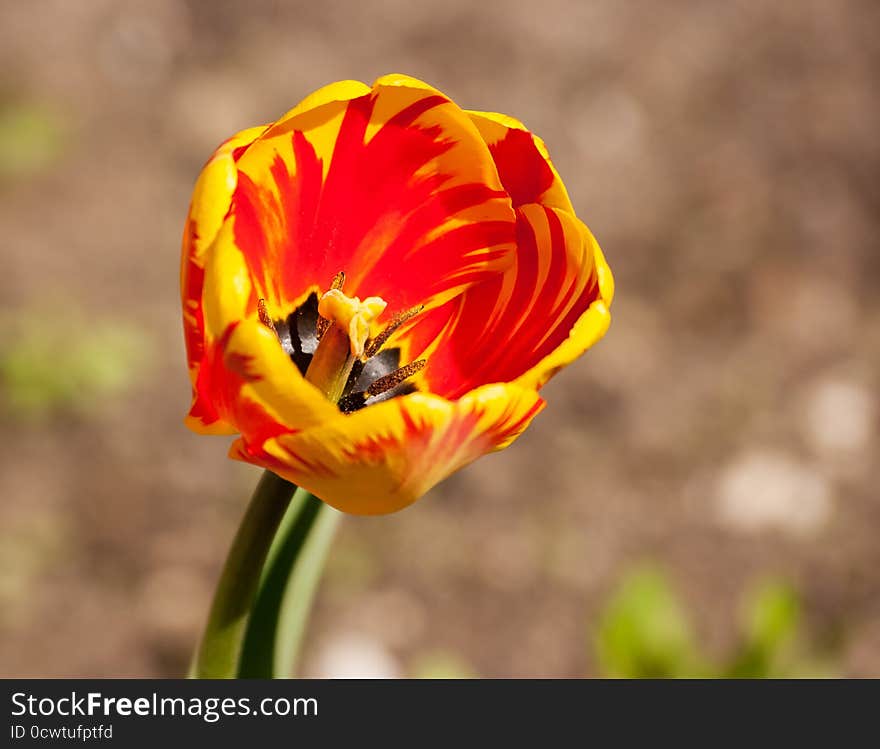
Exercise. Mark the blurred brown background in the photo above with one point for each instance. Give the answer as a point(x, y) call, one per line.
point(726, 156)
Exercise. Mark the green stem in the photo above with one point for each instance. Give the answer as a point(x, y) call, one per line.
point(296, 560)
point(220, 648)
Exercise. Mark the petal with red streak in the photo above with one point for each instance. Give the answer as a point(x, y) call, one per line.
point(250, 384)
point(522, 160)
point(395, 187)
point(504, 329)
point(210, 203)
point(385, 457)
point(247, 383)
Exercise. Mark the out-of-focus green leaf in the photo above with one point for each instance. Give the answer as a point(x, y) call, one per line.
point(30, 139)
point(68, 365)
point(441, 664)
point(770, 633)
point(644, 633)
point(774, 615)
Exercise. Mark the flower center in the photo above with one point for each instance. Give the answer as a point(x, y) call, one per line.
point(329, 340)
point(351, 316)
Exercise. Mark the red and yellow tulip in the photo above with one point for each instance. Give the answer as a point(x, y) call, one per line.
point(376, 286)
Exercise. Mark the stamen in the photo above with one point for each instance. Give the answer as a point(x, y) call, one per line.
point(265, 317)
point(374, 344)
point(393, 379)
point(321, 327)
point(323, 323)
point(352, 402)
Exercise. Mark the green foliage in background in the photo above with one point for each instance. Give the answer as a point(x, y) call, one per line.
point(644, 632)
point(31, 139)
point(64, 363)
point(441, 664)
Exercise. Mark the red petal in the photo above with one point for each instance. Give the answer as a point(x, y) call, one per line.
point(498, 330)
point(396, 188)
point(524, 172)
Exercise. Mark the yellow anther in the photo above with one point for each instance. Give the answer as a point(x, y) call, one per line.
point(351, 314)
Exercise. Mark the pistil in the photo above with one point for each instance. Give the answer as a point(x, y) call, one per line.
point(331, 365)
point(343, 337)
point(338, 360)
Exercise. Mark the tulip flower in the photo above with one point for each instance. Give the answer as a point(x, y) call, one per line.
point(477, 279)
point(377, 285)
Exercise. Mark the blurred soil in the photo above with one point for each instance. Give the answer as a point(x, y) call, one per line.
point(724, 154)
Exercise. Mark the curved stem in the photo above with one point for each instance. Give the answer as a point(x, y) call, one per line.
point(290, 578)
point(220, 648)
